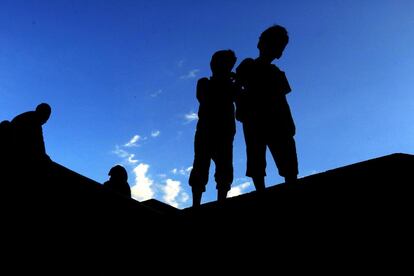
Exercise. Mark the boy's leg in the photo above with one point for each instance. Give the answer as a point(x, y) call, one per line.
point(259, 183)
point(284, 153)
point(197, 193)
point(198, 181)
point(201, 165)
point(256, 154)
point(223, 158)
point(221, 195)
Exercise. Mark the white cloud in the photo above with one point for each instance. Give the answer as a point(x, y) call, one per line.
point(238, 190)
point(133, 141)
point(155, 133)
point(142, 188)
point(171, 191)
point(191, 74)
point(192, 116)
point(184, 197)
point(156, 93)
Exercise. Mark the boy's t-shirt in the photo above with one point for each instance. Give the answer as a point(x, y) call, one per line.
point(216, 111)
point(263, 96)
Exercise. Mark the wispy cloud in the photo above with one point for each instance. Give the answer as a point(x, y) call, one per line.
point(180, 63)
point(162, 175)
point(133, 141)
point(182, 171)
point(155, 133)
point(120, 152)
point(190, 75)
point(189, 117)
point(128, 157)
point(131, 159)
point(142, 188)
point(156, 93)
point(238, 190)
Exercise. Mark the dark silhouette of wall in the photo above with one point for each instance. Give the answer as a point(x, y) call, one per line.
point(365, 203)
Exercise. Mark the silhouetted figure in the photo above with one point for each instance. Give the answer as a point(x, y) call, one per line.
point(28, 144)
point(264, 111)
point(28, 133)
point(216, 127)
point(118, 181)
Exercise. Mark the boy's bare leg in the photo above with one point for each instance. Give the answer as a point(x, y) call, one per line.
point(259, 183)
point(197, 193)
point(221, 195)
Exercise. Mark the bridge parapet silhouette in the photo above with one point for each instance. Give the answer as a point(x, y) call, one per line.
point(373, 196)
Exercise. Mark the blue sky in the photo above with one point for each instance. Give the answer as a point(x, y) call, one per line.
point(121, 76)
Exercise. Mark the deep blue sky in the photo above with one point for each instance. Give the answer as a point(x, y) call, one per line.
point(112, 70)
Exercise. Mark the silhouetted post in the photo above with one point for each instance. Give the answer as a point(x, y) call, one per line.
point(118, 181)
point(216, 127)
point(264, 111)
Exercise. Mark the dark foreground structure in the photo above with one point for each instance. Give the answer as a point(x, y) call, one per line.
point(367, 203)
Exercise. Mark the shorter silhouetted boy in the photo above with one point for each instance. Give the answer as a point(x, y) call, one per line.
point(216, 127)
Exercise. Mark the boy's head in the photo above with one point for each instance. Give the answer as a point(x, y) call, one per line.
point(43, 110)
point(273, 41)
point(118, 173)
point(222, 62)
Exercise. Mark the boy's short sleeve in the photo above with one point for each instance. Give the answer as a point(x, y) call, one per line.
point(202, 85)
point(284, 83)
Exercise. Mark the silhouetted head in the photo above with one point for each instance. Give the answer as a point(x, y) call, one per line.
point(4, 124)
point(43, 110)
point(118, 173)
point(222, 62)
point(272, 42)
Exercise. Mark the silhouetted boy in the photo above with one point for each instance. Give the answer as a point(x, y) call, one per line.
point(264, 111)
point(28, 132)
point(216, 127)
point(118, 181)
point(28, 143)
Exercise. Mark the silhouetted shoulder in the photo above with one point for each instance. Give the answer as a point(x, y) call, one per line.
point(246, 63)
point(202, 83)
point(244, 68)
point(26, 118)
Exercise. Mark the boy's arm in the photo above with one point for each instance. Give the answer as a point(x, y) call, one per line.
point(243, 72)
point(201, 89)
point(282, 82)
